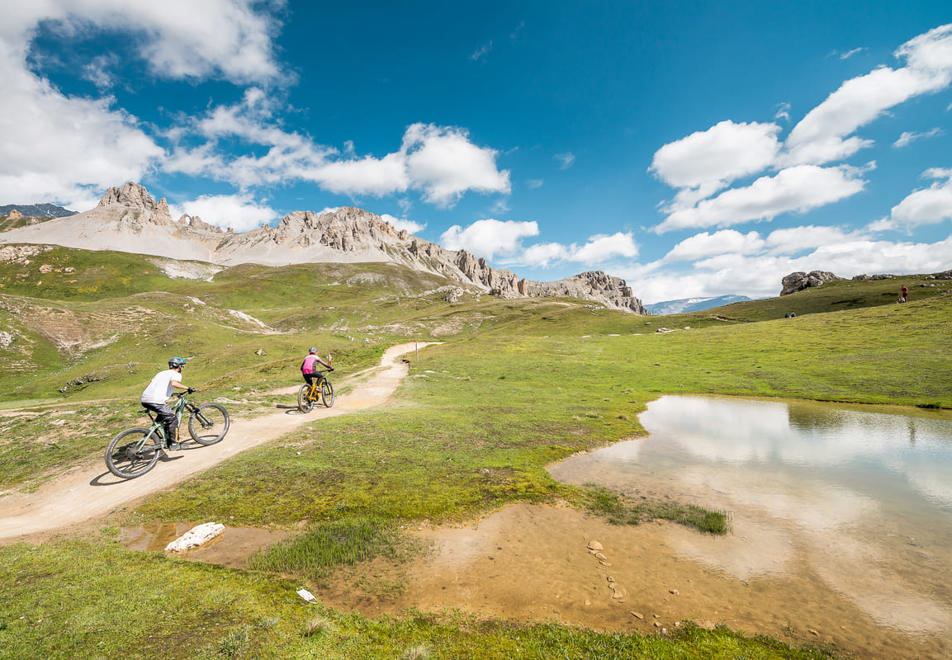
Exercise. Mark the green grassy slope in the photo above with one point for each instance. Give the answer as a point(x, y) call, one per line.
point(831, 297)
point(517, 385)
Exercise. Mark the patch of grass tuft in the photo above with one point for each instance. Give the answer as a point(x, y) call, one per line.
point(621, 510)
point(329, 544)
point(234, 643)
point(319, 625)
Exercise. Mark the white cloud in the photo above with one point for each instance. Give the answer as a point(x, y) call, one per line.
point(705, 162)
point(601, 248)
point(481, 52)
point(439, 161)
point(363, 176)
point(487, 238)
point(535, 183)
point(240, 212)
point(176, 38)
point(821, 136)
point(443, 163)
point(713, 158)
point(402, 223)
point(544, 254)
point(759, 275)
point(848, 54)
point(908, 137)
point(721, 242)
point(923, 207)
point(565, 160)
point(796, 189)
point(598, 249)
point(783, 111)
point(98, 71)
point(61, 148)
point(797, 239)
point(44, 157)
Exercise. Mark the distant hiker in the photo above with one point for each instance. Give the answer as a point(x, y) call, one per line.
point(157, 393)
point(307, 367)
point(903, 294)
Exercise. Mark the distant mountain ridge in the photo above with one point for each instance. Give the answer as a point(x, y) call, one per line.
point(37, 210)
point(684, 305)
point(128, 219)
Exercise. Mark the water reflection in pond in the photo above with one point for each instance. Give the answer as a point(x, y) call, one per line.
point(858, 500)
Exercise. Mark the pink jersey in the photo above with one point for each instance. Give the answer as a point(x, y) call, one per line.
point(308, 366)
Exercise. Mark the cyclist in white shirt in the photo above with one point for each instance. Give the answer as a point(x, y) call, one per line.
point(157, 393)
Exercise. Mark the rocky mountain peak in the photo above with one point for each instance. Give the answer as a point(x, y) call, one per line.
point(130, 220)
point(348, 229)
point(142, 208)
point(132, 195)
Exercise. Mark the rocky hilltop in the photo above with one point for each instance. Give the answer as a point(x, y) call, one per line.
point(128, 219)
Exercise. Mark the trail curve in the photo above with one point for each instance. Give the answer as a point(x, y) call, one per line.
point(85, 493)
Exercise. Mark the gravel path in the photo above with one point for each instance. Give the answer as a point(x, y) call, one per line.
point(88, 492)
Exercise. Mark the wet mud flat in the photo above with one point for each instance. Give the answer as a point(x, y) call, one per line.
point(533, 563)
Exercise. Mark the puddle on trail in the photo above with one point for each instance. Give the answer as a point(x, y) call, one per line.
point(233, 547)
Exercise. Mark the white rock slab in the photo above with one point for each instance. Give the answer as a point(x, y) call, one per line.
point(195, 537)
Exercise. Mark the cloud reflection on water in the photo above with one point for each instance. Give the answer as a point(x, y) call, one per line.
point(862, 499)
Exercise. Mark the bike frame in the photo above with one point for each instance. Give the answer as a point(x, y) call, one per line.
point(178, 408)
point(315, 390)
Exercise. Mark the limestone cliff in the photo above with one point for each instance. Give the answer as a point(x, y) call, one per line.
point(128, 219)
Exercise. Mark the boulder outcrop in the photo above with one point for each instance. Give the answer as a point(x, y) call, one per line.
point(799, 280)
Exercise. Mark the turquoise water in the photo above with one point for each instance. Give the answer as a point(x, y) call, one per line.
point(858, 500)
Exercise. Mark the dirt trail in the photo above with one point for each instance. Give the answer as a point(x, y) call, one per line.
point(89, 492)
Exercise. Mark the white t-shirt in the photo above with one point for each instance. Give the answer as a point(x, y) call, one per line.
point(160, 387)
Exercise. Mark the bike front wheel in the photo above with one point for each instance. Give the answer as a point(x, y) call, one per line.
point(208, 423)
point(327, 394)
point(305, 402)
point(133, 452)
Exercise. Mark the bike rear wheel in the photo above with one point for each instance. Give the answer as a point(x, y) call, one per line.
point(133, 452)
point(209, 423)
point(305, 402)
point(327, 394)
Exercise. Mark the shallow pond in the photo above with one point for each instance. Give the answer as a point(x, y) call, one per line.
point(857, 501)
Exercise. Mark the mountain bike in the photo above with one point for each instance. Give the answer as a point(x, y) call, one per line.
point(135, 451)
point(320, 388)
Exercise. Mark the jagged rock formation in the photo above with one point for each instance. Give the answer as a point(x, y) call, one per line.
point(14, 214)
point(799, 280)
point(128, 219)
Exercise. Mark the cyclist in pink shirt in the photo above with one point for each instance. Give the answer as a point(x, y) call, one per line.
point(308, 368)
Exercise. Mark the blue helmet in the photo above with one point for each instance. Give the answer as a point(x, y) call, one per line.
point(176, 362)
point(312, 350)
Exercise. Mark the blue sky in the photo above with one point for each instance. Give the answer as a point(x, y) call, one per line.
point(691, 148)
